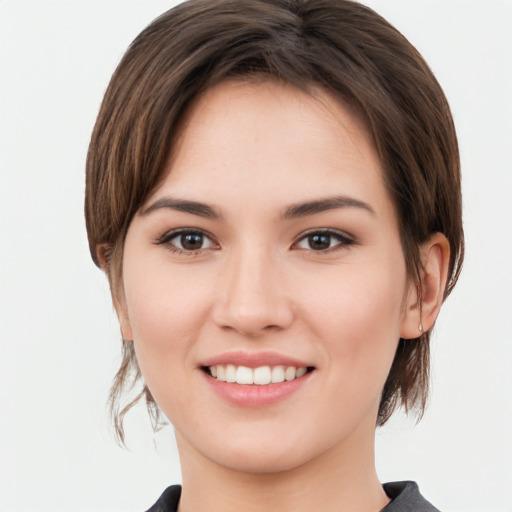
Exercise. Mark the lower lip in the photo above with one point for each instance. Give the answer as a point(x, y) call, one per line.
point(245, 395)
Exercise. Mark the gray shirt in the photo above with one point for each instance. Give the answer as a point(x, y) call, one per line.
point(405, 497)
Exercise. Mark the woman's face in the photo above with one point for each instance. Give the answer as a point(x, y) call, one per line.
point(270, 249)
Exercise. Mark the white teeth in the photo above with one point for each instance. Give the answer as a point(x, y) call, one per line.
point(300, 372)
point(230, 373)
point(221, 373)
point(278, 374)
point(261, 376)
point(290, 373)
point(244, 375)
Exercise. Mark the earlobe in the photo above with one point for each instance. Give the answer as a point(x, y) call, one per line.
point(423, 305)
point(123, 318)
point(103, 254)
point(126, 328)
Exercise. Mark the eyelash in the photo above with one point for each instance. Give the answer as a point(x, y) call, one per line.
point(167, 237)
point(343, 239)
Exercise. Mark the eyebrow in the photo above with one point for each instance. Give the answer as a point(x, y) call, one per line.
point(183, 205)
point(291, 212)
point(323, 205)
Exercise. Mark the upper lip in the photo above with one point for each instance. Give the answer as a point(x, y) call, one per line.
point(254, 359)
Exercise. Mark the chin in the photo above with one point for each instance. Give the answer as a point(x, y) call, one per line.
point(261, 461)
point(261, 452)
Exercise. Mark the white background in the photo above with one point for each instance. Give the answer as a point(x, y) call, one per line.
point(59, 342)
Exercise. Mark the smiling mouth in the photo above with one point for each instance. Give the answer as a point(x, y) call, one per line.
point(260, 376)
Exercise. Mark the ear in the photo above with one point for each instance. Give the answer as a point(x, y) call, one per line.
point(422, 310)
point(103, 253)
point(124, 319)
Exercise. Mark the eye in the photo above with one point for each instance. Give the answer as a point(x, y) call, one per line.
point(323, 241)
point(187, 241)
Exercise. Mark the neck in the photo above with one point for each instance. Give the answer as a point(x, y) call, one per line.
point(341, 479)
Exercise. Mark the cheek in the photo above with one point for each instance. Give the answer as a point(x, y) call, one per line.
point(358, 314)
point(165, 315)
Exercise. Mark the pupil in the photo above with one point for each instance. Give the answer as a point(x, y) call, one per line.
point(192, 241)
point(319, 242)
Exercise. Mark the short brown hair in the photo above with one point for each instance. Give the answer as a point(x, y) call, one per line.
point(339, 46)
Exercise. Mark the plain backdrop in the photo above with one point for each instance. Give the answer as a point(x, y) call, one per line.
point(59, 340)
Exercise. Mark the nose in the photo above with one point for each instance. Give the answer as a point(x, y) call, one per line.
point(253, 296)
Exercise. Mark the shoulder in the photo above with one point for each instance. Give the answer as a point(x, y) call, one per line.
point(168, 501)
point(405, 496)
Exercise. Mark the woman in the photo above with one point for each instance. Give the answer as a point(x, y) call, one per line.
point(273, 190)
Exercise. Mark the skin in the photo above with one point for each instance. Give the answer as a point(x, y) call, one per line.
point(250, 151)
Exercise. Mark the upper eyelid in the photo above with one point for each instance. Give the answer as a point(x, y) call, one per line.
point(344, 240)
point(169, 235)
point(165, 241)
point(330, 231)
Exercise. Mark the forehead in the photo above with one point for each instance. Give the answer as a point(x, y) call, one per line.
point(271, 139)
